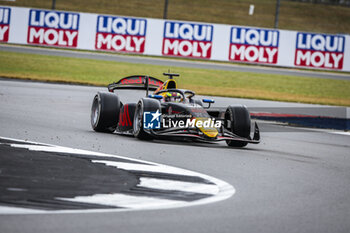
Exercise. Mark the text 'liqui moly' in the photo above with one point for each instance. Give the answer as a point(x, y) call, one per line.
point(319, 50)
point(5, 14)
point(121, 34)
point(53, 28)
point(187, 40)
point(254, 45)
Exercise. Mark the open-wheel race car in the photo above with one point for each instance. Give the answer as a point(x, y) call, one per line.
point(169, 113)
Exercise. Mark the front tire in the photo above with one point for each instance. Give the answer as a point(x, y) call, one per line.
point(144, 105)
point(105, 112)
point(239, 123)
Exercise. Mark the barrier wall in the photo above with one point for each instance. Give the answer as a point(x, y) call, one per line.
point(174, 38)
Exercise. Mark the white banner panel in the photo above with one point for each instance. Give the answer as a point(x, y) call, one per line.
point(86, 36)
point(174, 38)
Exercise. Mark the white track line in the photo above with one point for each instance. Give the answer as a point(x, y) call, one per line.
point(17, 210)
point(341, 133)
point(178, 186)
point(147, 168)
point(217, 190)
point(125, 201)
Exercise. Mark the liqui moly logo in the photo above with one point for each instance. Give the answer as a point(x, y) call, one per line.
point(319, 51)
point(187, 40)
point(121, 34)
point(254, 45)
point(53, 28)
point(5, 14)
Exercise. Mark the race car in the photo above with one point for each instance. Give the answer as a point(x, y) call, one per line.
point(170, 113)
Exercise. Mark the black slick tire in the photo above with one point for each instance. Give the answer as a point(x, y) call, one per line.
point(239, 119)
point(105, 112)
point(144, 105)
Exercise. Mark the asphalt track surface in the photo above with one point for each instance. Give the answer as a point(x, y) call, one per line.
point(173, 62)
point(296, 180)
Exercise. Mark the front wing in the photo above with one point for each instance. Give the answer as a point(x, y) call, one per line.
point(193, 134)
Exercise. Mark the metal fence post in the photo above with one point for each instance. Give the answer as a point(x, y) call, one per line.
point(277, 13)
point(53, 4)
point(165, 14)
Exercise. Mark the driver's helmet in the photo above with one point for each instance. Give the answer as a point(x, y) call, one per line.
point(172, 97)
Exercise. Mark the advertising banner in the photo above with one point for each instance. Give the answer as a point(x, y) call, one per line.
point(254, 45)
point(121, 34)
point(187, 40)
point(53, 28)
point(173, 38)
point(319, 51)
point(5, 14)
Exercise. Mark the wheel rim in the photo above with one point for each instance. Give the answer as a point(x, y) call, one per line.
point(95, 112)
point(138, 119)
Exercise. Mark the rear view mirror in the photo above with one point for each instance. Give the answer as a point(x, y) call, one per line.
point(210, 101)
point(158, 97)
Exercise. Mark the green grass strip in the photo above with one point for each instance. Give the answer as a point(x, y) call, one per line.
point(202, 81)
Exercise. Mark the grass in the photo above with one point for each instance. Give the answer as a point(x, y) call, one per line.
point(202, 81)
point(293, 15)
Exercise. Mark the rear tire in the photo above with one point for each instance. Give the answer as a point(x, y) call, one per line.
point(105, 112)
point(239, 118)
point(144, 105)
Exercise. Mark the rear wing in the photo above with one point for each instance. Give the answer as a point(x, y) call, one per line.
point(136, 82)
